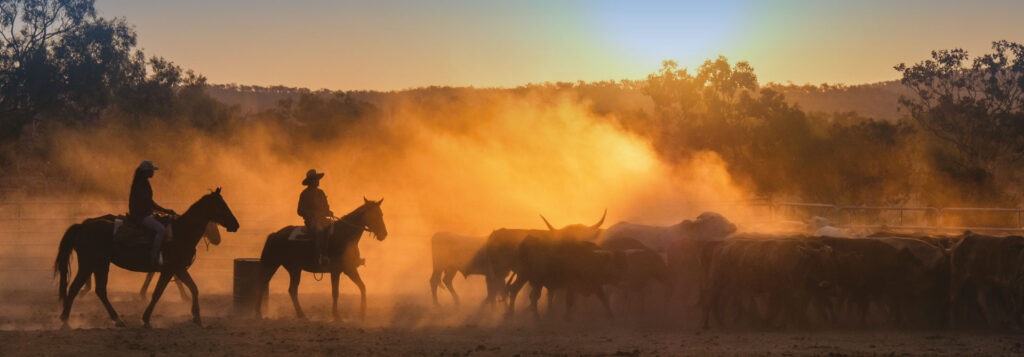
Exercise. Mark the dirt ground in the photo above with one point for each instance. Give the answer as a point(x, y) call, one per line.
point(410, 326)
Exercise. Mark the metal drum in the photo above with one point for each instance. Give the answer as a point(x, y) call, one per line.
point(246, 286)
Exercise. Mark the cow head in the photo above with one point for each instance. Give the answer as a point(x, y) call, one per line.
point(576, 231)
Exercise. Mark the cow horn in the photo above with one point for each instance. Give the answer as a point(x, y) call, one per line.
point(546, 222)
point(598, 225)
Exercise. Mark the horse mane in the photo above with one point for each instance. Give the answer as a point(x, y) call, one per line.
point(358, 211)
point(195, 205)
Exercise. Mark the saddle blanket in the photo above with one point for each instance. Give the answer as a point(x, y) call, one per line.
point(301, 233)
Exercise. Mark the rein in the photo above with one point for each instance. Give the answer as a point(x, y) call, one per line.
point(363, 227)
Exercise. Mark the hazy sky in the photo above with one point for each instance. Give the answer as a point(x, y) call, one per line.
point(402, 44)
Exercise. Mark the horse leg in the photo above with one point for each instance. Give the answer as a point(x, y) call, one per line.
point(145, 285)
point(335, 280)
point(268, 273)
point(435, 279)
point(354, 276)
point(101, 275)
point(161, 284)
point(449, 275)
point(186, 278)
point(80, 278)
point(295, 276)
point(181, 289)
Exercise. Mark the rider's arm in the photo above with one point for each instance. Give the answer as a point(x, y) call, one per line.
point(158, 208)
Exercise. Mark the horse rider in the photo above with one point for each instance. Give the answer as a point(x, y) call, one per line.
point(141, 207)
point(315, 212)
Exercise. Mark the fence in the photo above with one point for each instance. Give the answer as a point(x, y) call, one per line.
point(900, 218)
point(31, 230)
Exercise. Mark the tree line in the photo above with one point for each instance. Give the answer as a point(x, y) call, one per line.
point(960, 138)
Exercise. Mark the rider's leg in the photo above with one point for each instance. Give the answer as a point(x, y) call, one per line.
point(152, 224)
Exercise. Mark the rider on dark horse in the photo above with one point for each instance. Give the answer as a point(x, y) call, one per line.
point(141, 207)
point(316, 213)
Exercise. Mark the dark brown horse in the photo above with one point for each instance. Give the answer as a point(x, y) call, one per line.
point(342, 248)
point(93, 242)
point(212, 236)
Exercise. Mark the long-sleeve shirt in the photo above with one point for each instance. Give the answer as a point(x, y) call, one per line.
point(140, 200)
point(313, 204)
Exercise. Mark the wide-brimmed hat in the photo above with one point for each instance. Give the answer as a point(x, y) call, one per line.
point(311, 176)
point(147, 165)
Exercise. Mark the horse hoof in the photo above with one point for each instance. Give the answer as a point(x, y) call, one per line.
point(119, 323)
point(146, 325)
point(197, 321)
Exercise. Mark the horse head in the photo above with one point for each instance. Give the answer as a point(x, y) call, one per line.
point(373, 218)
point(219, 211)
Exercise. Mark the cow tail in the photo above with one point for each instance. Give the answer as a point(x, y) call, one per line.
point(62, 265)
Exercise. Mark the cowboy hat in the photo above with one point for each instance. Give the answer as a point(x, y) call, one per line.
point(311, 176)
point(147, 165)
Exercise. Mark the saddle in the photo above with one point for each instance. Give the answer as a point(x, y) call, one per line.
point(129, 233)
point(300, 233)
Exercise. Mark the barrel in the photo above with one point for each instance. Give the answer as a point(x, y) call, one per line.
point(247, 286)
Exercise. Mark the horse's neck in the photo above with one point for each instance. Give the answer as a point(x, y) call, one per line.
point(189, 226)
point(349, 228)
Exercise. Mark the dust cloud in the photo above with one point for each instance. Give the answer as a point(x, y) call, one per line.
point(470, 165)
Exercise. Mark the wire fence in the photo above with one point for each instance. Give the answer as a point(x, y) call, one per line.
point(30, 230)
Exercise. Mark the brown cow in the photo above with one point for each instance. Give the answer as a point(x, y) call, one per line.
point(451, 254)
point(990, 270)
point(788, 275)
point(640, 266)
point(869, 272)
point(578, 267)
point(502, 245)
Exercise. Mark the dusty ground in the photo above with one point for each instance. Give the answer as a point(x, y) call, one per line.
point(410, 326)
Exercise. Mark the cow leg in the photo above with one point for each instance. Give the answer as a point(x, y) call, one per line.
point(492, 289)
point(551, 302)
point(570, 299)
point(449, 275)
point(80, 278)
point(435, 279)
point(604, 301)
point(513, 292)
point(295, 275)
point(145, 285)
point(161, 284)
point(985, 305)
point(101, 274)
point(185, 278)
point(534, 297)
point(354, 276)
point(335, 281)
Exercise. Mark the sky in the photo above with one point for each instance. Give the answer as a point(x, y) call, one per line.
point(393, 45)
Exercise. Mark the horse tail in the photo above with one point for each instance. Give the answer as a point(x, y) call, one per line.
point(62, 265)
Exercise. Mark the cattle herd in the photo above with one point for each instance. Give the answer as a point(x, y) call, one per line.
point(704, 271)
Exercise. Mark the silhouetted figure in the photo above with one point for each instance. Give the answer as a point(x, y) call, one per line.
point(315, 211)
point(141, 206)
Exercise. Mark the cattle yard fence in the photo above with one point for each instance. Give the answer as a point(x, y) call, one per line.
point(900, 218)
